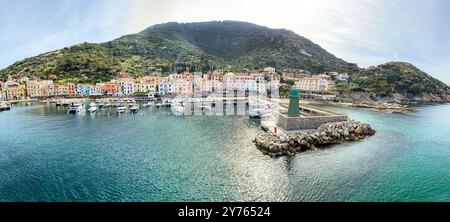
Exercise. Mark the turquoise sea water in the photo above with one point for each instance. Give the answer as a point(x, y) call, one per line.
point(47, 155)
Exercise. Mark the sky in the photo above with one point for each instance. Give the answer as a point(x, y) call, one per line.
point(366, 32)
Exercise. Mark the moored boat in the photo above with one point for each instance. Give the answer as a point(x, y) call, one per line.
point(93, 109)
point(258, 112)
point(76, 108)
point(134, 108)
point(149, 104)
point(4, 106)
point(121, 109)
point(177, 109)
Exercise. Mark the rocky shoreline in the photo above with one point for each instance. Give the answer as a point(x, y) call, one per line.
point(326, 135)
point(389, 107)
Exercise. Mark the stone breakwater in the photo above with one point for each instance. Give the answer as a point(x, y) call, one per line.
point(326, 135)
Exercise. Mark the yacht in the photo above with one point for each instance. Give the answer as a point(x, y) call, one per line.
point(76, 108)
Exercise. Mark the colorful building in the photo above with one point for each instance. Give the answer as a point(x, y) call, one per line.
point(182, 87)
point(175, 77)
point(145, 87)
point(97, 90)
point(46, 88)
point(2, 95)
point(61, 89)
point(15, 91)
point(319, 83)
point(259, 77)
point(211, 86)
point(111, 88)
point(2, 92)
point(84, 89)
point(165, 88)
point(187, 76)
point(33, 89)
point(270, 70)
point(217, 76)
point(71, 89)
point(126, 85)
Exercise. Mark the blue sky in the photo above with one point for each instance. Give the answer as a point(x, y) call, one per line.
point(367, 32)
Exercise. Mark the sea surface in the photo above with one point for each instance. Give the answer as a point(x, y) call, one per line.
point(48, 155)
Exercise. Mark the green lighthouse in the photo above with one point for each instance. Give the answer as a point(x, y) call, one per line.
point(294, 103)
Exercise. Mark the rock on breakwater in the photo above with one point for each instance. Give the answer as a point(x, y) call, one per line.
point(327, 134)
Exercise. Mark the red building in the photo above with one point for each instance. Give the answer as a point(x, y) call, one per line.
point(111, 88)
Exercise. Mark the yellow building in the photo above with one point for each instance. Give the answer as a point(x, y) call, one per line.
point(145, 87)
point(15, 91)
point(2, 95)
point(320, 83)
point(33, 89)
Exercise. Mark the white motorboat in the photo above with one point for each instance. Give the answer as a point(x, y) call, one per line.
point(93, 109)
point(149, 104)
point(134, 108)
point(76, 108)
point(177, 109)
point(4, 106)
point(258, 112)
point(121, 109)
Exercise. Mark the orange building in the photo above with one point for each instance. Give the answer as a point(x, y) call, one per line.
point(150, 79)
point(111, 88)
point(71, 89)
point(187, 76)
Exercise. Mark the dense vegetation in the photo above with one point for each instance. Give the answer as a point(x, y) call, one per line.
point(175, 47)
point(229, 45)
point(80, 63)
point(395, 77)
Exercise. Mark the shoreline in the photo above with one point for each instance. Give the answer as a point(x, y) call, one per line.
point(378, 106)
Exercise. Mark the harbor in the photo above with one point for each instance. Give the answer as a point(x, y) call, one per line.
point(176, 158)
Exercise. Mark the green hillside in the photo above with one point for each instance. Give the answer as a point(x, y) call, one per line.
point(174, 47)
point(398, 77)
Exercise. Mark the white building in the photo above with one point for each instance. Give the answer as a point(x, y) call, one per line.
point(259, 77)
point(127, 85)
point(96, 90)
point(165, 88)
point(270, 70)
point(251, 85)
